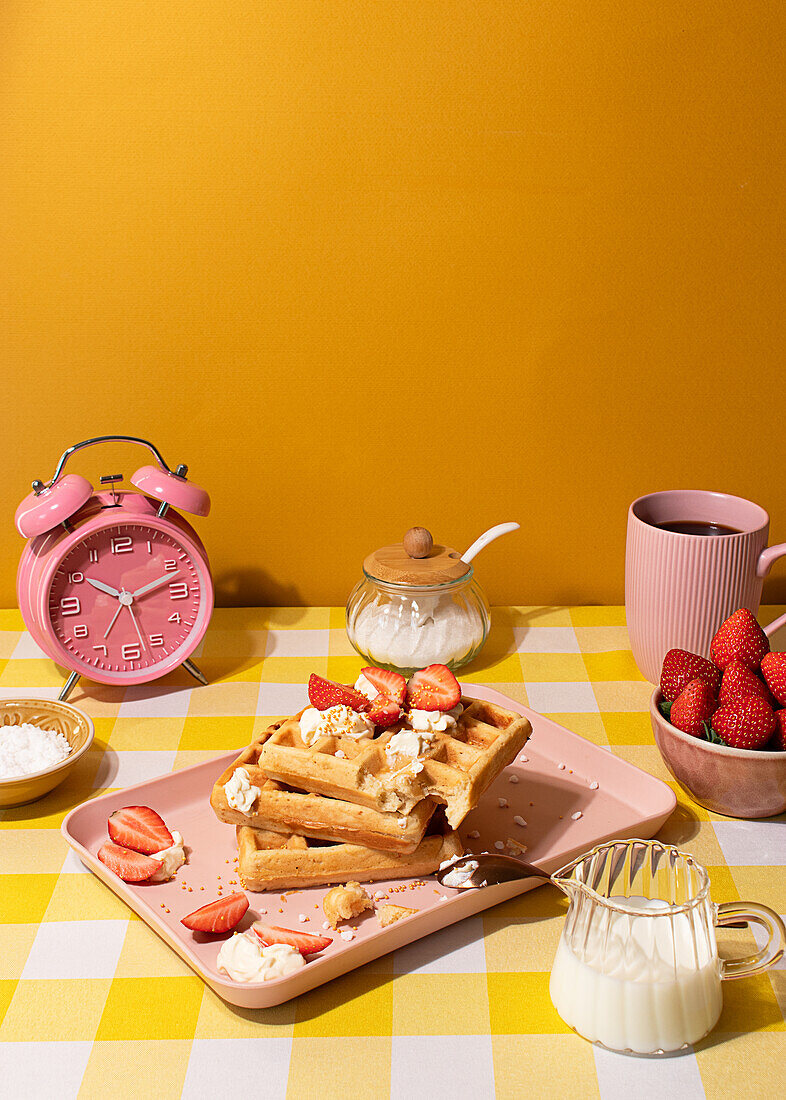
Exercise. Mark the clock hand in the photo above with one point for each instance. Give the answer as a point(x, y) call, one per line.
point(136, 626)
point(154, 584)
point(103, 587)
point(114, 617)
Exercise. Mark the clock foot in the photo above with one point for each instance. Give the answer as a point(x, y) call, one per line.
point(189, 666)
point(67, 686)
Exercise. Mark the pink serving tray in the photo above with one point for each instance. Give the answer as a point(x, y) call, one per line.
point(553, 785)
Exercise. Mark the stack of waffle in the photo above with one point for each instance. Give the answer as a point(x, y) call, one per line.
point(344, 809)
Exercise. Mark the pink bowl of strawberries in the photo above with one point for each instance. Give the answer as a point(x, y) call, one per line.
point(720, 724)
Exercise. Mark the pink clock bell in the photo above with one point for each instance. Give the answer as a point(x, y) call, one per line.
point(115, 586)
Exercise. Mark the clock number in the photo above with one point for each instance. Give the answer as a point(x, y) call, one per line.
point(122, 546)
point(178, 591)
point(149, 547)
point(101, 647)
point(70, 605)
point(170, 566)
point(131, 652)
point(80, 630)
point(92, 555)
point(156, 639)
point(174, 618)
point(76, 578)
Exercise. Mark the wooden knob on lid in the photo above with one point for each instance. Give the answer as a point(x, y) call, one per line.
point(416, 560)
point(418, 542)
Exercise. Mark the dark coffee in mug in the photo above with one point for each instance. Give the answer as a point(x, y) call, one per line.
point(696, 527)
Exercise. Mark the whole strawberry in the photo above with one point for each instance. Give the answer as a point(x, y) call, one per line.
point(773, 669)
point(739, 682)
point(680, 667)
point(739, 636)
point(778, 742)
point(692, 708)
point(746, 724)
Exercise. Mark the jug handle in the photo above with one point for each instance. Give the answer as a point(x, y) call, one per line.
point(749, 912)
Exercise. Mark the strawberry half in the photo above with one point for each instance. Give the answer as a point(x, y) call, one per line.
point(692, 708)
point(384, 711)
point(739, 682)
point(219, 915)
point(746, 724)
point(680, 667)
point(433, 688)
point(140, 828)
point(323, 694)
point(778, 742)
point(128, 865)
point(304, 942)
point(739, 636)
point(387, 683)
point(773, 669)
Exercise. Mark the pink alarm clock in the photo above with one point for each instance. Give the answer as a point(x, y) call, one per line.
point(115, 586)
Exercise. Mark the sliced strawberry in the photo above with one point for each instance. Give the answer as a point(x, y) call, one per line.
point(680, 667)
point(387, 683)
point(692, 708)
point(323, 694)
point(219, 915)
point(773, 669)
point(140, 828)
point(739, 682)
point(739, 636)
point(384, 711)
point(433, 688)
point(304, 942)
point(128, 865)
point(747, 724)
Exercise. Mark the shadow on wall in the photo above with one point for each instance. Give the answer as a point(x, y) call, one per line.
point(254, 587)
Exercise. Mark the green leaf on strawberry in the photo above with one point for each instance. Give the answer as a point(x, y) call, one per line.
point(711, 735)
point(664, 707)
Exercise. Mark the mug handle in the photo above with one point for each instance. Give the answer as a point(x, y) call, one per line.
point(749, 912)
point(763, 566)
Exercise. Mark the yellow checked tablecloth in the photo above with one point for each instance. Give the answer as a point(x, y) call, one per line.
point(93, 1004)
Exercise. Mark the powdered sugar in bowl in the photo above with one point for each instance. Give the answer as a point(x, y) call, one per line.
point(410, 611)
point(62, 720)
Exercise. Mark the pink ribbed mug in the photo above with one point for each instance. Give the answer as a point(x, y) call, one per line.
point(680, 587)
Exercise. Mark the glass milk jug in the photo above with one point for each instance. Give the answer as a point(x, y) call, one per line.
point(637, 967)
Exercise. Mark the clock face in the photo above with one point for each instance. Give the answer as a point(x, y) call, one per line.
point(126, 600)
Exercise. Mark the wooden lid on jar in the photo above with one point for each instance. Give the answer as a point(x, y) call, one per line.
point(416, 560)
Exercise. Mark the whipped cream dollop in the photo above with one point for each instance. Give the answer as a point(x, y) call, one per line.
point(458, 875)
point(338, 721)
point(244, 959)
point(240, 791)
point(409, 742)
point(171, 859)
point(412, 632)
point(434, 721)
point(365, 687)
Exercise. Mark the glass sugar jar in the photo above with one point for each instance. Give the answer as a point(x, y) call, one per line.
point(418, 604)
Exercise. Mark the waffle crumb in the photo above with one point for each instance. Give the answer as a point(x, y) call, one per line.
point(343, 902)
point(389, 914)
point(515, 847)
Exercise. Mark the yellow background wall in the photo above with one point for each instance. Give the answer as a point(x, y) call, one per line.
point(370, 263)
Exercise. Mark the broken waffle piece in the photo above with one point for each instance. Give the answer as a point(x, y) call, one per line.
point(389, 914)
point(343, 902)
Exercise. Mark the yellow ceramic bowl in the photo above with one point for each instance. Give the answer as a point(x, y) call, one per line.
point(75, 726)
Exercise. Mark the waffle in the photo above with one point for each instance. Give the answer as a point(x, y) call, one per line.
point(284, 810)
point(458, 766)
point(270, 861)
